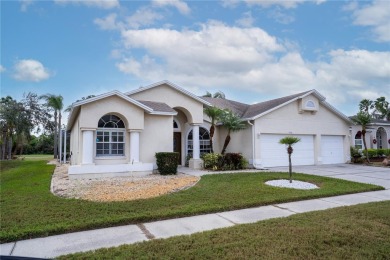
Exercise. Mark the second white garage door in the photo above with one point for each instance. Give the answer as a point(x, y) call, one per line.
point(332, 149)
point(275, 154)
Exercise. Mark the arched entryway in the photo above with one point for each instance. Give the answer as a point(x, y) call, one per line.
point(381, 138)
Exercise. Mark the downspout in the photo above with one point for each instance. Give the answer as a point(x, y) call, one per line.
point(253, 145)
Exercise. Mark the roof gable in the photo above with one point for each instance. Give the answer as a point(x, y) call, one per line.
point(170, 84)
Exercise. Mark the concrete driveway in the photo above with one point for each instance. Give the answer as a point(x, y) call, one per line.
point(359, 173)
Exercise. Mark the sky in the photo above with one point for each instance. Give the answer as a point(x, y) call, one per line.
point(251, 50)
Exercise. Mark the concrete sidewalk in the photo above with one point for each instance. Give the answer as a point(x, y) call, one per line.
point(54, 246)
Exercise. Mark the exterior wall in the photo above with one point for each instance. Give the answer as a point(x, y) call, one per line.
point(166, 94)
point(132, 115)
point(371, 135)
point(288, 121)
point(156, 137)
point(75, 146)
point(240, 142)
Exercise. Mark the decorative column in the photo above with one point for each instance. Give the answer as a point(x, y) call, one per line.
point(87, 146)
point(195, 162)
point(134, 146)
point(195, 140)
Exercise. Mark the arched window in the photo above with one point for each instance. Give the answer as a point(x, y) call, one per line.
point(204, 141)
point(110, 136)
point(358, 140)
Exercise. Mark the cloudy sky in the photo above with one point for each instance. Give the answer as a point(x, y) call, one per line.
point(251, 50)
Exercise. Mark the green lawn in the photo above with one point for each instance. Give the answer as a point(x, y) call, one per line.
point(36, 157)
point(355, 232)
point(28, 209)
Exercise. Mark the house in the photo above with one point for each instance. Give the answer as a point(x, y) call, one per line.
point(377, 136)
point(118, 133)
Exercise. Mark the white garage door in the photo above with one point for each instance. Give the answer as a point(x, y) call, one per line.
point(275, 154)
point(332, 149)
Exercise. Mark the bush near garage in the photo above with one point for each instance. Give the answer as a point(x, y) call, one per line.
point(226, 162)
point(167, 163)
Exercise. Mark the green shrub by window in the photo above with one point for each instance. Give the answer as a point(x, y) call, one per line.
point(167, 163)
point(226, 162)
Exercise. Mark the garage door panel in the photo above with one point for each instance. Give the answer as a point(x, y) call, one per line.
point(275, 154)
point(332, 149)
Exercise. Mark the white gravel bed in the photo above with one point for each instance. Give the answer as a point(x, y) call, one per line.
point(301, 185)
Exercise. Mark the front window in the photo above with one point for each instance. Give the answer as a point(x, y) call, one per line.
point(358, 140)
point(110, 136)
point(204, 141)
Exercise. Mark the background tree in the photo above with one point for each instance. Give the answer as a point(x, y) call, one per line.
point(289, 141)
point(218, 94)
point(68, 108)
point(233, 123)
point(214, 113)
point(56, 103)
point(365, 105)
point(382, 108)
point(17, 120)
point(363, 118)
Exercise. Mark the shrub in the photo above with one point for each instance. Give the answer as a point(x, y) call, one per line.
point(226, 162)
point(387, 152)
point(211, 160)
point(167, 163)
point(380, 152)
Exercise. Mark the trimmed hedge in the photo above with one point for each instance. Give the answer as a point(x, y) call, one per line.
point(226, 162)
point(167, 163)
point(375, 153)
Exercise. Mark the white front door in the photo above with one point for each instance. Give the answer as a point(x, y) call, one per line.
point(275, 154)
point(332, 149)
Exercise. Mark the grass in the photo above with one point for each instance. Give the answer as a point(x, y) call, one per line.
point(28, 209)
point(355, 232)
point(36, 157)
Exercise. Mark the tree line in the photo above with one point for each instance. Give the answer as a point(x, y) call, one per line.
point(19, 120)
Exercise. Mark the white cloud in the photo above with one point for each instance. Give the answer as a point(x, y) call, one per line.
point(181, 6)
point(230, 3)
point(246, 21)
point(375, 15)
point(30, 70)
point(281, 17)
point(143, 17)
point(25, 4)
point(251, 60)
point(2, 69)
point(103, 4)
point(282, 3)
point(109, 22)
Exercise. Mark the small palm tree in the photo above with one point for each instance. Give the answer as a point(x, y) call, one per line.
point(214, 113)
point(289, 141)
point(233, 123)
point(56, 103)
point(363, 118)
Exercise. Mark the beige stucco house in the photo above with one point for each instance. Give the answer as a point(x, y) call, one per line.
point(119, 133)
point(377, 135)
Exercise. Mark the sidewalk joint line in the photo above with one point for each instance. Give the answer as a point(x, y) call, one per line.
point(145, 231)
point(279, 207)
point(13, 248)
point(226, 219)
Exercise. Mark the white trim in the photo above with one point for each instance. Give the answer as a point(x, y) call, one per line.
point(178, 129)
point(163, 113)
point(172, 85)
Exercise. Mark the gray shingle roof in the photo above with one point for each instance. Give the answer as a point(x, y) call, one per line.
point(250, 111)
point(259, 108)
point(236, 107)
point(157, 106)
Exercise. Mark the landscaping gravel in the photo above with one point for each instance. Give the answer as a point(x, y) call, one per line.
point(119, 188)
point(301, 185)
